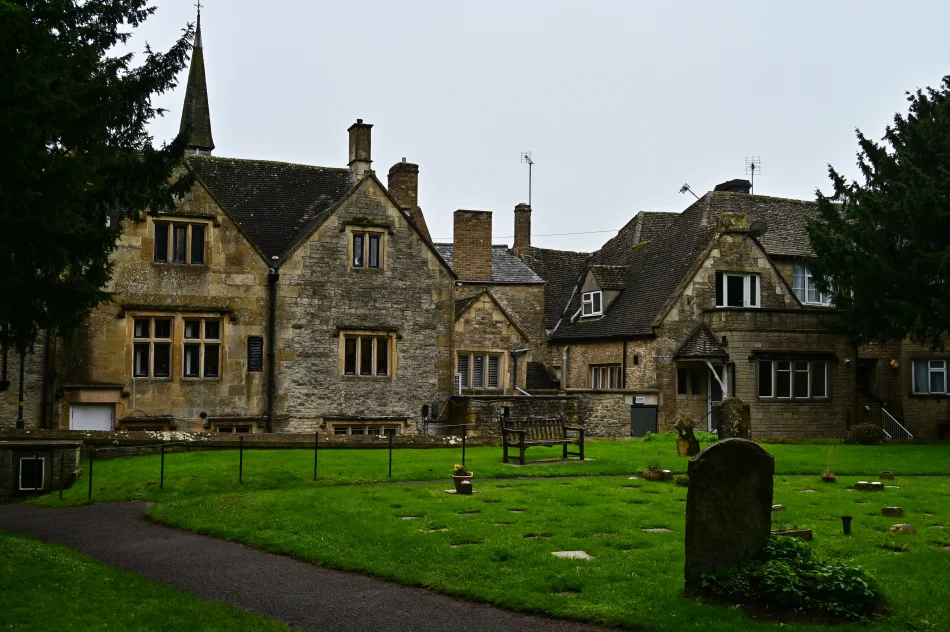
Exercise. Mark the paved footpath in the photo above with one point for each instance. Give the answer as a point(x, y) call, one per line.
point(301, 595)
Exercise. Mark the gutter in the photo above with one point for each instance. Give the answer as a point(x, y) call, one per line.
point(272, 277)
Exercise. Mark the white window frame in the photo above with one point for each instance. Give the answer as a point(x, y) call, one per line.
point(605, 377)
point(933, 367)
point(746, 293)
point(803, 284)
point(793, 370)
point(42, 461)
point(587, 303)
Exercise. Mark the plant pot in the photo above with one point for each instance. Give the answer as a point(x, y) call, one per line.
point(829, 478)
point(463, 489)
point(650, 475)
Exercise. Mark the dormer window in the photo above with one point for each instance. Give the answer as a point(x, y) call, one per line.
point(592, 304)
point(736, 289)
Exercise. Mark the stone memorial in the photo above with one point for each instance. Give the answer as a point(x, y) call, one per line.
point(686, 444)
point(735, 419)
point(728, 506)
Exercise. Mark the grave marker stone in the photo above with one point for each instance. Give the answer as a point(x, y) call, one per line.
point(735, 419)
point(728, 506)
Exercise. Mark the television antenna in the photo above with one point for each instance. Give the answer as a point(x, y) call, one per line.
point(526, 157)
point(753, 165)
point(685, 189)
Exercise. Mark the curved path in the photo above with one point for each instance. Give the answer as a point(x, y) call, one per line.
point(298, 594)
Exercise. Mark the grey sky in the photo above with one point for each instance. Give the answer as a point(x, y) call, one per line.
point(620, 102)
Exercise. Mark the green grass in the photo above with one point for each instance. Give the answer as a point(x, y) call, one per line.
point(49, 587)
point(496, 545)
point(190, 474)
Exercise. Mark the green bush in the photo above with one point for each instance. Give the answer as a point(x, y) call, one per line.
point(865, 434)
point(790, 577)
point(682, 480)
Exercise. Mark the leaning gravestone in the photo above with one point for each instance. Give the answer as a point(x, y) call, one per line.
point(735, 419)
point(728, 506)
point(686, 444)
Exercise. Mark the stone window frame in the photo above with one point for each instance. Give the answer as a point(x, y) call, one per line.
point(692, 370)
point(365, 428)
point(374, 335)
point(605, 377)
point(599, 311)
point(178, 341)
point(202, 341)
point(468, 382)
point(750, 299)
point(366, 232)
point(169, 224)
point(150, 343)
point(794, 369)
point(225, 427)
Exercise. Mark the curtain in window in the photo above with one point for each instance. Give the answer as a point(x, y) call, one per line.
point(798, 282)
point(921, 378)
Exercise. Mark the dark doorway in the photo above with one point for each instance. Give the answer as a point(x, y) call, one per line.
point(642, 420)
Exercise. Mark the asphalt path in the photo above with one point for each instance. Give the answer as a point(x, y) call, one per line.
point(298, 594)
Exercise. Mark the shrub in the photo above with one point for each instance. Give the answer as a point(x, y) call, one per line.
point(865, 434)
point(682, 480)
point(790, 577)
point(655, 465)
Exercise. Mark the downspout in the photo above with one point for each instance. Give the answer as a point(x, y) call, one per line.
point(564, 367)
point(623, 366)
point(272, 278)
point(515, 355)
point(44, 391)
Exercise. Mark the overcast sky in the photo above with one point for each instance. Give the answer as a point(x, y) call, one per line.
point(620, 102)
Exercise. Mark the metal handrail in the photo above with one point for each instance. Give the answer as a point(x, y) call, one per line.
point(896, 426)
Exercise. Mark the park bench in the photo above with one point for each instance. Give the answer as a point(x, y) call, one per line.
point(547, 432)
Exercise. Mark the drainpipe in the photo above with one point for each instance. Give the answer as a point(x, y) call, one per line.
point(623, 366)
point(515, 355)
point(564, 367)
point(272, 278)
point(48, 373)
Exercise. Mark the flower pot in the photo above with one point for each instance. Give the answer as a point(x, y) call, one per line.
point(829, 478)
point(462, 489)
point(651, 475)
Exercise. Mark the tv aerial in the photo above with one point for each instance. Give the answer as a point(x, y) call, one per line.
point(753, 166)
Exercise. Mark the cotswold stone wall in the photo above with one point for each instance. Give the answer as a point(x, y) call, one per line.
point(32, 388)
point(483, 327)
point(410, 298)
point(483, 412)
point(230, 285)
point(58, 456)
point(525, 305)
point(604, 414)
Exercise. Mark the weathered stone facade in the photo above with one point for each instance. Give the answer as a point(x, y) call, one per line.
point(33, 368)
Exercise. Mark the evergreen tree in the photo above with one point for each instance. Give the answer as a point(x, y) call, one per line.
point(883, 245)
point(76, 155)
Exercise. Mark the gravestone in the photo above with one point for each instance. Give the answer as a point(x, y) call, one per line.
point(686, 444)
point(735, 419)
point(728, 506)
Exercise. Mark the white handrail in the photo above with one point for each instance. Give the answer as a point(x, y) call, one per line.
point(896, 427)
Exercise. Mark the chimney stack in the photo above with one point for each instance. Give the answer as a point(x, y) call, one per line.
point(360, 147)
point(404, 187)
point(522, 226)
point(735, 186)
point(472, 245)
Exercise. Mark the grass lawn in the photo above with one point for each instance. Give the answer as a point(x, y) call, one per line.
point(496, 545)
point(189, 474)
point(49, 587)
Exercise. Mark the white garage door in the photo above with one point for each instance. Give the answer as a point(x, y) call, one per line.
point(91, 416)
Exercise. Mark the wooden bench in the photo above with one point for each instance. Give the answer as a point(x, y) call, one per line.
point(547, 432)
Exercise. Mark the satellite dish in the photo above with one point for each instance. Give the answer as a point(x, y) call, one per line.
point(758, 228)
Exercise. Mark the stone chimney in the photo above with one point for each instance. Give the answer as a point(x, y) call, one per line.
point(735, 186)
point(360, 147)
point(404, 187)
point(522, 226)
point(472, 245)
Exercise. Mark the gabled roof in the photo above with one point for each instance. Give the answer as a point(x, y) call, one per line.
point(786, 220)
point(195, 111)
point(702, 344)
point(610, 277)
point(505, 267)
point(274, 203)
point(644, 227)
point(561, 271)
point(462, 305)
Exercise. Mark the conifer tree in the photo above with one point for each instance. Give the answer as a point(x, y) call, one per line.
point(882, 245)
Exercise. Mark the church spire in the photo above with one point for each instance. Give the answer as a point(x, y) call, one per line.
point(195, 112)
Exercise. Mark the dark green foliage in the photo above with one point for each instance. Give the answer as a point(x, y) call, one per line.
point(790, 577)
point(865, 434)
point(77, 156)
point(883, 244)
point(682, 480)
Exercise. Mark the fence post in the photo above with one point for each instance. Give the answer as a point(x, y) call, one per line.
point(241, 460)
point(464, 437)
point(62, 470)
point(92, 452)
point(390, 454)
point(161, 480)
point(316, 452)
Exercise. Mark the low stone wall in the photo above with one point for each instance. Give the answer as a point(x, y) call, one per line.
point(481, 412)
point(604, 414)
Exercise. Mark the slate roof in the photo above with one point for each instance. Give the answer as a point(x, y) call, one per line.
point(610, 277)
point(644, 227)
point(561, 271)
point(274, 203)
point(702, 344)
point(505, 267)
point(195, 111)
point(656, 270)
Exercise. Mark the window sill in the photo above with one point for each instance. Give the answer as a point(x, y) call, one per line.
point(190, 378)
point(791, 400)
point(195, 266)
point(152, 378)
point(369, 378)
point(933, 396)
point(365, 269)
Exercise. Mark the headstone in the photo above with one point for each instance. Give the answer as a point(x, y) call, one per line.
point(779, 507)
point(728, 506)
point(904, 528)
point(864, 486)
point(877, 487)
point(572, 555)
point(735, 419)
point(892, 512)
point(887, 475)
point(686, 444)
